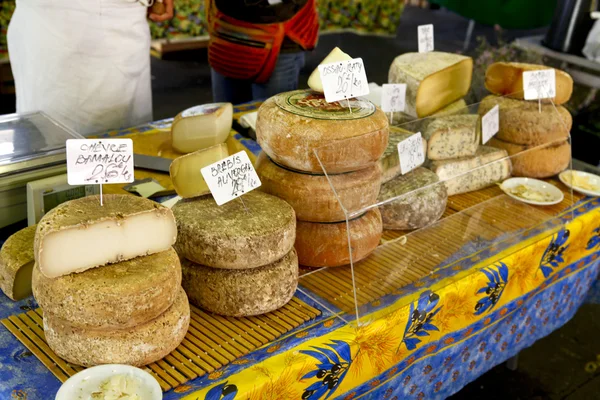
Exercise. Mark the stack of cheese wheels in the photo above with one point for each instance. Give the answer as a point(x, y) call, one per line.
point(109, 281)
point(316, 156)
point(535, 136)
point(238, 259)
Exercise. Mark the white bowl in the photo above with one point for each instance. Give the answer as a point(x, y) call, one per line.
point(594, 179)
point(81, 385)
point(544, 187)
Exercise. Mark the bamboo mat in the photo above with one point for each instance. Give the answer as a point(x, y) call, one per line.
point(211, 342)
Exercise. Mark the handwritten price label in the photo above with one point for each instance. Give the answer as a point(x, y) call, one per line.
point(411, 153)
point(393, 97)
point(231, 177)
point(490, 124)
point(540, 84)
point(99, 161)
point(425, 37)
point(344, 80)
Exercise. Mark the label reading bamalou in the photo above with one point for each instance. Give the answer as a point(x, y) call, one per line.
point(99, 161)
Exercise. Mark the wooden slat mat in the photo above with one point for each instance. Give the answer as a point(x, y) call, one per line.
point(211, 342)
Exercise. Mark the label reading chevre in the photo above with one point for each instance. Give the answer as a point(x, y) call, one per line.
point(411, 153)
point(231, 177)
point(99, 161)
point(313, 105)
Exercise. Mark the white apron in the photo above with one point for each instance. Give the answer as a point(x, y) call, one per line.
point(85, 63)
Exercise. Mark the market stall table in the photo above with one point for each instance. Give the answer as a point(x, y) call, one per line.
point(490, 278)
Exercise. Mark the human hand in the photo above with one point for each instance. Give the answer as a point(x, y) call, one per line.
point(161, 11)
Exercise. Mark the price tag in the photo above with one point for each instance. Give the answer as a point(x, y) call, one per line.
point(540, 84)
point(99, 161)
point(425, 35)
point(490, 124)
point(393, 96)
point(231, 177)
point(344, 80)
point(411, 153)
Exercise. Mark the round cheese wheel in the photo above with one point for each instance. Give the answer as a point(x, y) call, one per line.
point(241, 293)
point(292, 125)
point(326, 244)
point(254, 230)
point(138, 346)
point(521, 122)
point(311, 195)
point(419, 200)
point(541, 161)
point(115, 296)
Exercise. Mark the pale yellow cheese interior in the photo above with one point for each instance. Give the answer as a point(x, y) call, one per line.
point(201, 127)
point(444, 87)
point(22, 283)
point(314, 80)
point(185, 170)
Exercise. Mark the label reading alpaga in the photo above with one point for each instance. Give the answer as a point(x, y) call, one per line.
point(231, 177)
point(99, 161)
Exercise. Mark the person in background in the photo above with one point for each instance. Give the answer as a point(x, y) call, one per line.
point(84, 63)
point(257, 47)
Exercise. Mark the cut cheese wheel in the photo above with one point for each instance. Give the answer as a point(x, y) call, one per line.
point(311, 194)
point(390, 161)
point(433, 80)
point(292, 126)
point(541, 161)
point(81, 234)
point(453, 136)
point(138, 346)
point(326, 245)
point(116, 296)
point(412, 201)
point(314, 80)
point(236, 235)
point(242, 293)
point(521, 122)
point(185, 170)
point(16, 263)
point(202, 126)
point(504, 78)
point(488, 166)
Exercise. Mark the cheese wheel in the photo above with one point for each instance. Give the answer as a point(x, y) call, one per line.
point(16, 263)
point(326, 244)
point(137, 346)
point(237, 235)
point(541, 161)
point(242, 293)
point(116, 296)
point(506, 78)
point(521, 122)
point(292, 125)
point(311, 195)
point(421, 200)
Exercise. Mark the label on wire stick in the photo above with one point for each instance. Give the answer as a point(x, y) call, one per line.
point(231, 177)
point(411, 153)
point(425, 37)
point(344, 80)
point(99, 161)
point(393, 97)
point(490, 124)
point(540, 84)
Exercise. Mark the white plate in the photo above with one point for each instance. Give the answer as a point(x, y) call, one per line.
point(81, 385)
point(594, 179)
point(545, 187)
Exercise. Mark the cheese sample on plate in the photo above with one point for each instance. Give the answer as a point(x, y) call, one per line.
point(236, 235)
point(521, 122)
point(314, 80)
point(326, 245)
point(506, 78)
point(433, 80)
point(292, 126)
point(115, 296)
point(453, 136)
point(311, 194)
point(242, 293)
point(81, 234)
point(542, 161)
point(16, 263)
point(202, 126)
point(488, 166)
point(412, 201)
point(390, 161)
point(185, 170)
point(137, 346)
